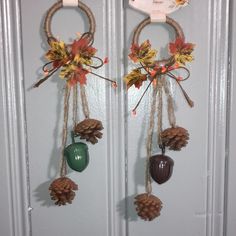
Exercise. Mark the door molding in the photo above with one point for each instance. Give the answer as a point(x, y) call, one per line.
point(217, 123)
point(14, 151)
point(230, 207)
point(116, 118)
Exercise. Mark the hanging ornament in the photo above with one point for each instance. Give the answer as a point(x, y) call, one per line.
point(161, 168)
point(77, 155)
point(148, 206)
point(62, 191)
point(74, 62)
point(157, 75)
point(175, 138)
point(89, 129)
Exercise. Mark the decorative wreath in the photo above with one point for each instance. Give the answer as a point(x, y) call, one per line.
point(159, 73)
point(150, 69)
point(74, 62)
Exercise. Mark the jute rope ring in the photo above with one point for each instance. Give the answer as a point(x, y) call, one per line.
point(57, 6)
point(178, 31)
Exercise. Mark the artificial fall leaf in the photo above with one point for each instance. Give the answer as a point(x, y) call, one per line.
point(180, 2)
point(182, 51)
point(67, 70)
point(135, 78)
point(79, 76)
point(58, 52)
point(82, 51)
point(143, 53)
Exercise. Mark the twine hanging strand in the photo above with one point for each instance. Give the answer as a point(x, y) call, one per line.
point(75, 105)
point(149, 141)
point(84, 101)
point(159, 109)
point(170, 105)
point(63, 168)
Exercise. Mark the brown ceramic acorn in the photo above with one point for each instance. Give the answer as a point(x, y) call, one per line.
point(161, 168)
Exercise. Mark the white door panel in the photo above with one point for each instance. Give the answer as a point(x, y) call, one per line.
point(194, 199)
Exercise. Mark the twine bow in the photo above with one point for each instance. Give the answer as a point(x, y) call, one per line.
point(75, 60)
point(165, 71)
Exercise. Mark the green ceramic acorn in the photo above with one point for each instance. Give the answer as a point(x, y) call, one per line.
point(77, 155)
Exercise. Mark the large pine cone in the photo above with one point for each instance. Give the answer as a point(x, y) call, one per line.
point(175, 138)
point(62, 191)
point(148, 207)
point(89, 129)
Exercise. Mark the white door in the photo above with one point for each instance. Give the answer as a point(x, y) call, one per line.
point(197, 200)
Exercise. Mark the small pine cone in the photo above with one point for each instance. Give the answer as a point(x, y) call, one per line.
point(89, 129)
point(62, 190)
point(148, 207)
point(175, 138)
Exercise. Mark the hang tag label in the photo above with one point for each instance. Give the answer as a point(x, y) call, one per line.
point(158, 9)
point(70, 3)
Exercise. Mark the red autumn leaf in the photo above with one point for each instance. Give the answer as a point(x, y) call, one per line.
point(182, 51)
point(134, 52)
point(81, 46)
point(135, 78)
point(57, 63)
point(139, 83)
point(143, 53)
point(180, 46)
point(79, 76)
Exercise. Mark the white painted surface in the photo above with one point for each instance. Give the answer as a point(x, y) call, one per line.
point(231, 193)
point(193, 198)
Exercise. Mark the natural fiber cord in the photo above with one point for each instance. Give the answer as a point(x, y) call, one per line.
point(63, 169)
point(159, 109)
point(75, 105)
point(170, 104)
point(84, 101)
point(149, 140)
point(57, 6)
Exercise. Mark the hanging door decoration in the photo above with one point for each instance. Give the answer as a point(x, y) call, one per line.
point(74, 63)
point(158, 75)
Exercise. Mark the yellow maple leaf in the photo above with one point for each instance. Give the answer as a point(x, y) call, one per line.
point(183, 58)
point(57, 52)
point(136, 78)
point(82, 60)
point(143, 53)
point(67, 70)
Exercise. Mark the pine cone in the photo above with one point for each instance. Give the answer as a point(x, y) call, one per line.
point(148, 206)
point(89, 129)
point(175, 138)
point(62, 190)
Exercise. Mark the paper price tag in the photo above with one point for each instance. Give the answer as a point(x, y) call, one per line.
point(70, 3)
point(158, 9)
